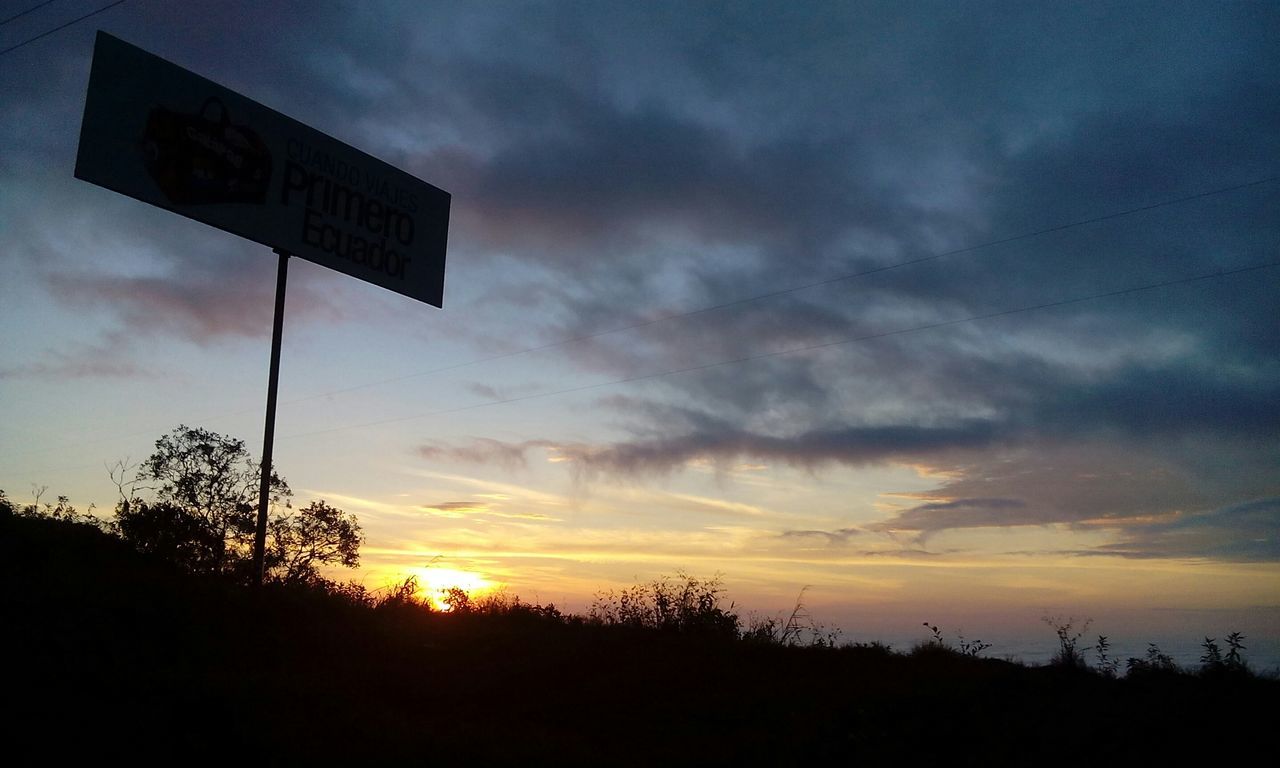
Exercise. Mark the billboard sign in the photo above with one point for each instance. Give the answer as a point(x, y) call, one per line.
point(166, 136)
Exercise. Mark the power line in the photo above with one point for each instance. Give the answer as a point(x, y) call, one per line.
point(794, 289)
point(20, 14)
point(809, 347)
point(60, 27)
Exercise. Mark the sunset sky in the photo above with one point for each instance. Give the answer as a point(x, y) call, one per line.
point(834, 295)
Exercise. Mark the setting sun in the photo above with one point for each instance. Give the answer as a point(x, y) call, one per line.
point(434, 582)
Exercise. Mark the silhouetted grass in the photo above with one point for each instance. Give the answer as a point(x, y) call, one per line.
point(113, 654)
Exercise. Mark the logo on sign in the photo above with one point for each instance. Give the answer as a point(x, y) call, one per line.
point(204, 157)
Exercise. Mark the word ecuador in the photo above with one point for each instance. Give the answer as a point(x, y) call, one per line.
point(353, 216)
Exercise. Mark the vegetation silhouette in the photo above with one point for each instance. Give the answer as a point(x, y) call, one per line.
point(1070, 631)
point(686, 606)
point(194, 503)
point(120, 649)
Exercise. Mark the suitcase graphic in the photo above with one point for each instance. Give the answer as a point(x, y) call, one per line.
point(204, 158)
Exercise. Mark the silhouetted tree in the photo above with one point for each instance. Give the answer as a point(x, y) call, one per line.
point(315, 535)
point(168, 530)
point(203, 512)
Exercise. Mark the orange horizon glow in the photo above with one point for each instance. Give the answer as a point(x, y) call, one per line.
point(434, 582)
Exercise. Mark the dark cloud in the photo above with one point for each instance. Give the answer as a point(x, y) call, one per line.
point(566, 188)
point(1050, 404)
point(961, 513)
point(450, 506)
point(1141, 401)
point(1091, 485)
point(855, 541)
point(484, 390)
point(483, 509)
point(852, 446)
point(1241, 532)
point(920, 554)
point(836, 537)
point(484, 451)
point(614, 163)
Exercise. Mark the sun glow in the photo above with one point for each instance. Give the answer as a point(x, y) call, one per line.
point(434, 582)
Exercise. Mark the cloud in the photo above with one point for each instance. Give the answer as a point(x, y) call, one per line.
point(456, 509)
point(195, 309)
point(564, 188)
point(852, 446)
point(1090, 484)
point(1238, 532)
point(1130, 405)
point(201, 294)
point(1095, 476)
point(960, 513)
point(483, 450)
point(854, 541)
point(808, 198)
point(501, 392)
point(92, 362)
point(484, 390)
point(611, 167)
point(834, 538)
point(645, 169)
point(1188, 499)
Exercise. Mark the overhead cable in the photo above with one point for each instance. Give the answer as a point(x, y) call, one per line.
point(60, 27)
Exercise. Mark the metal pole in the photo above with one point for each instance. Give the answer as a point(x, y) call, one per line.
point(269, 432)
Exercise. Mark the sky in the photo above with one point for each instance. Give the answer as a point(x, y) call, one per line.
point(950, 312)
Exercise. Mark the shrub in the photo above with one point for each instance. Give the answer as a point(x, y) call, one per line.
point(1069, 654)
point(1235, 644)
point(400, 596)
point(685, 605)
point(798, 630)
point(62, 511)
point(1213, 662)
point(1155, 662)
point(937, 642)
point(1107, 665)
point(972, 647)
point(1211, 659)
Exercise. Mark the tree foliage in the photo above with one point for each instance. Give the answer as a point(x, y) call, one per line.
point(315, 535)
point(194, 501)
point(209, 482)
point(170, 531)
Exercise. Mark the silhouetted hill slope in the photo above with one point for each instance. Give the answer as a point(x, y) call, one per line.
point(111, 654)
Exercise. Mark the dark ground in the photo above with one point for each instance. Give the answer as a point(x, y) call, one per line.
point(108, 654)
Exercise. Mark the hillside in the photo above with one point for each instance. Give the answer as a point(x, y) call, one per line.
point(110, 653)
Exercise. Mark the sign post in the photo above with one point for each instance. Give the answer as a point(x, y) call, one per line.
point(269, 431)
point(166, 136)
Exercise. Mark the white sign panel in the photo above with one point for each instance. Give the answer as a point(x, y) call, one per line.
point(158, 133)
